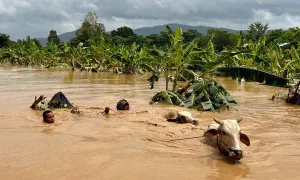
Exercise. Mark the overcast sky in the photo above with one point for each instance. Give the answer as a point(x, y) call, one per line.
point(35, 18)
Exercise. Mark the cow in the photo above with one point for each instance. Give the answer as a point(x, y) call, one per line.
point(225, 135)
point(181, 117)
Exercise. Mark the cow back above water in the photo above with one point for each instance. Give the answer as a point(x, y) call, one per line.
point(226, 136)
point(181, 117)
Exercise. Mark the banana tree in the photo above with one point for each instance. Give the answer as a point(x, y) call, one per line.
point(80, 57)
point(176, 58)
point(292, 64)
point(130, 59)
point(99, 56)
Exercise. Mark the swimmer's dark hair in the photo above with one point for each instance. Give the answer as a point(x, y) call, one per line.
point(45, 113)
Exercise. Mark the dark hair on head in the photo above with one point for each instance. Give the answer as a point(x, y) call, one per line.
point(45, 113)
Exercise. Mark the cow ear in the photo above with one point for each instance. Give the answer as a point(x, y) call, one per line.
point(211, 132)
point(244, 139)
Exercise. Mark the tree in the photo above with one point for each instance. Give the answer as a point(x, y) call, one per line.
point(292, 36)
point(52, 37)
point(274, 35)
point(4, 40)
point(89, 29)
point(257, 30)
point(158, 40)
point(37, 43)
point(190, 35)
point(27, 42)
point(176, 58)
point(118, 40)
point(222, 39)
point(90, 26)
point(124, 32)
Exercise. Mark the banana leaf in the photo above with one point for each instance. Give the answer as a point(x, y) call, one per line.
point(205, 94)
point(190, 101)
point(177, 98)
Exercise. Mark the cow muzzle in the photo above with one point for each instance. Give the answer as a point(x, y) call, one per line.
point(235, 154)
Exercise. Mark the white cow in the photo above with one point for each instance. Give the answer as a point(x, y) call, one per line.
point(225, 135)
point(181, 117)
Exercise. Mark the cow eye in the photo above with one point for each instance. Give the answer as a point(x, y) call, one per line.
point(223, 132)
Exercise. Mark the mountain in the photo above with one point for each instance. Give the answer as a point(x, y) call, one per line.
point(145, 31)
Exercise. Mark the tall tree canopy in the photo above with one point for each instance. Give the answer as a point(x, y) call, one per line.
point(4, 40)
point(89, 29)
point(257, 30)
point(124, 32)
point(222, 39)
point(190, 35)
point(52, 37)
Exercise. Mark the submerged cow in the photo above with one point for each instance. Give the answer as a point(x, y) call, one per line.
point(181, 117)
point(225, 135)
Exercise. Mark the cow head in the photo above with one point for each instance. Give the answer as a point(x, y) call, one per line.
point(228, 134)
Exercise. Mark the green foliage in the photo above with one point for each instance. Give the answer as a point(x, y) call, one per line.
point(201, 93)
point(274, 35)
point(124, 32)
point(158, 40)
point(175, 58)
point(257, 30)
point(292, 35)
point(190, 35)
point(222, 39)
point(53, 37)
point(4, 40)
point(89, 29)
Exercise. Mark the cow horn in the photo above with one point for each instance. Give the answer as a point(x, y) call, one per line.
point(217, 121)
point(239, 120)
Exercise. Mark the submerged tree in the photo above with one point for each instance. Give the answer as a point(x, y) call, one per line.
point(200, 92)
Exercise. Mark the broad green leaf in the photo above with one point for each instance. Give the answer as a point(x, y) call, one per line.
point(176, 98)
point(166, 97)
point(207, 106)
point(190, 101)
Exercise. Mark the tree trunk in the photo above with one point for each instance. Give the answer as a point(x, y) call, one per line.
point(36, 101)
point(167, 83)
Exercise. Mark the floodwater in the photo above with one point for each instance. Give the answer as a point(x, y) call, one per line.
point(130, 145)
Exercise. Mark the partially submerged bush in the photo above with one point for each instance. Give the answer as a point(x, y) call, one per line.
point(203, 94)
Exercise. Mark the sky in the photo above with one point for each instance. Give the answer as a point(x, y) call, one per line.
point(35, 18)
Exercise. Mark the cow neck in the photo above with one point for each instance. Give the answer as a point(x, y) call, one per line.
point(219, 140)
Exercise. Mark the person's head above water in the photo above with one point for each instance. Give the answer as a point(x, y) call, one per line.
point(48, 116)
point(123, 105)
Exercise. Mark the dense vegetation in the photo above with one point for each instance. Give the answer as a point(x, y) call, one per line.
point(172, 54)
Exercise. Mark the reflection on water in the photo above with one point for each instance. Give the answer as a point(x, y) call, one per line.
point(127, 145)
point(224, 170)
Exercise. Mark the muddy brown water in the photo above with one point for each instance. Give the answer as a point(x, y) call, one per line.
point(127, 145)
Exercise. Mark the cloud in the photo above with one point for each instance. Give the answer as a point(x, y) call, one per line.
point(37, 17)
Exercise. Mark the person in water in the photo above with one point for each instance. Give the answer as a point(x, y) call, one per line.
point(48, 117)
point(123, 105)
